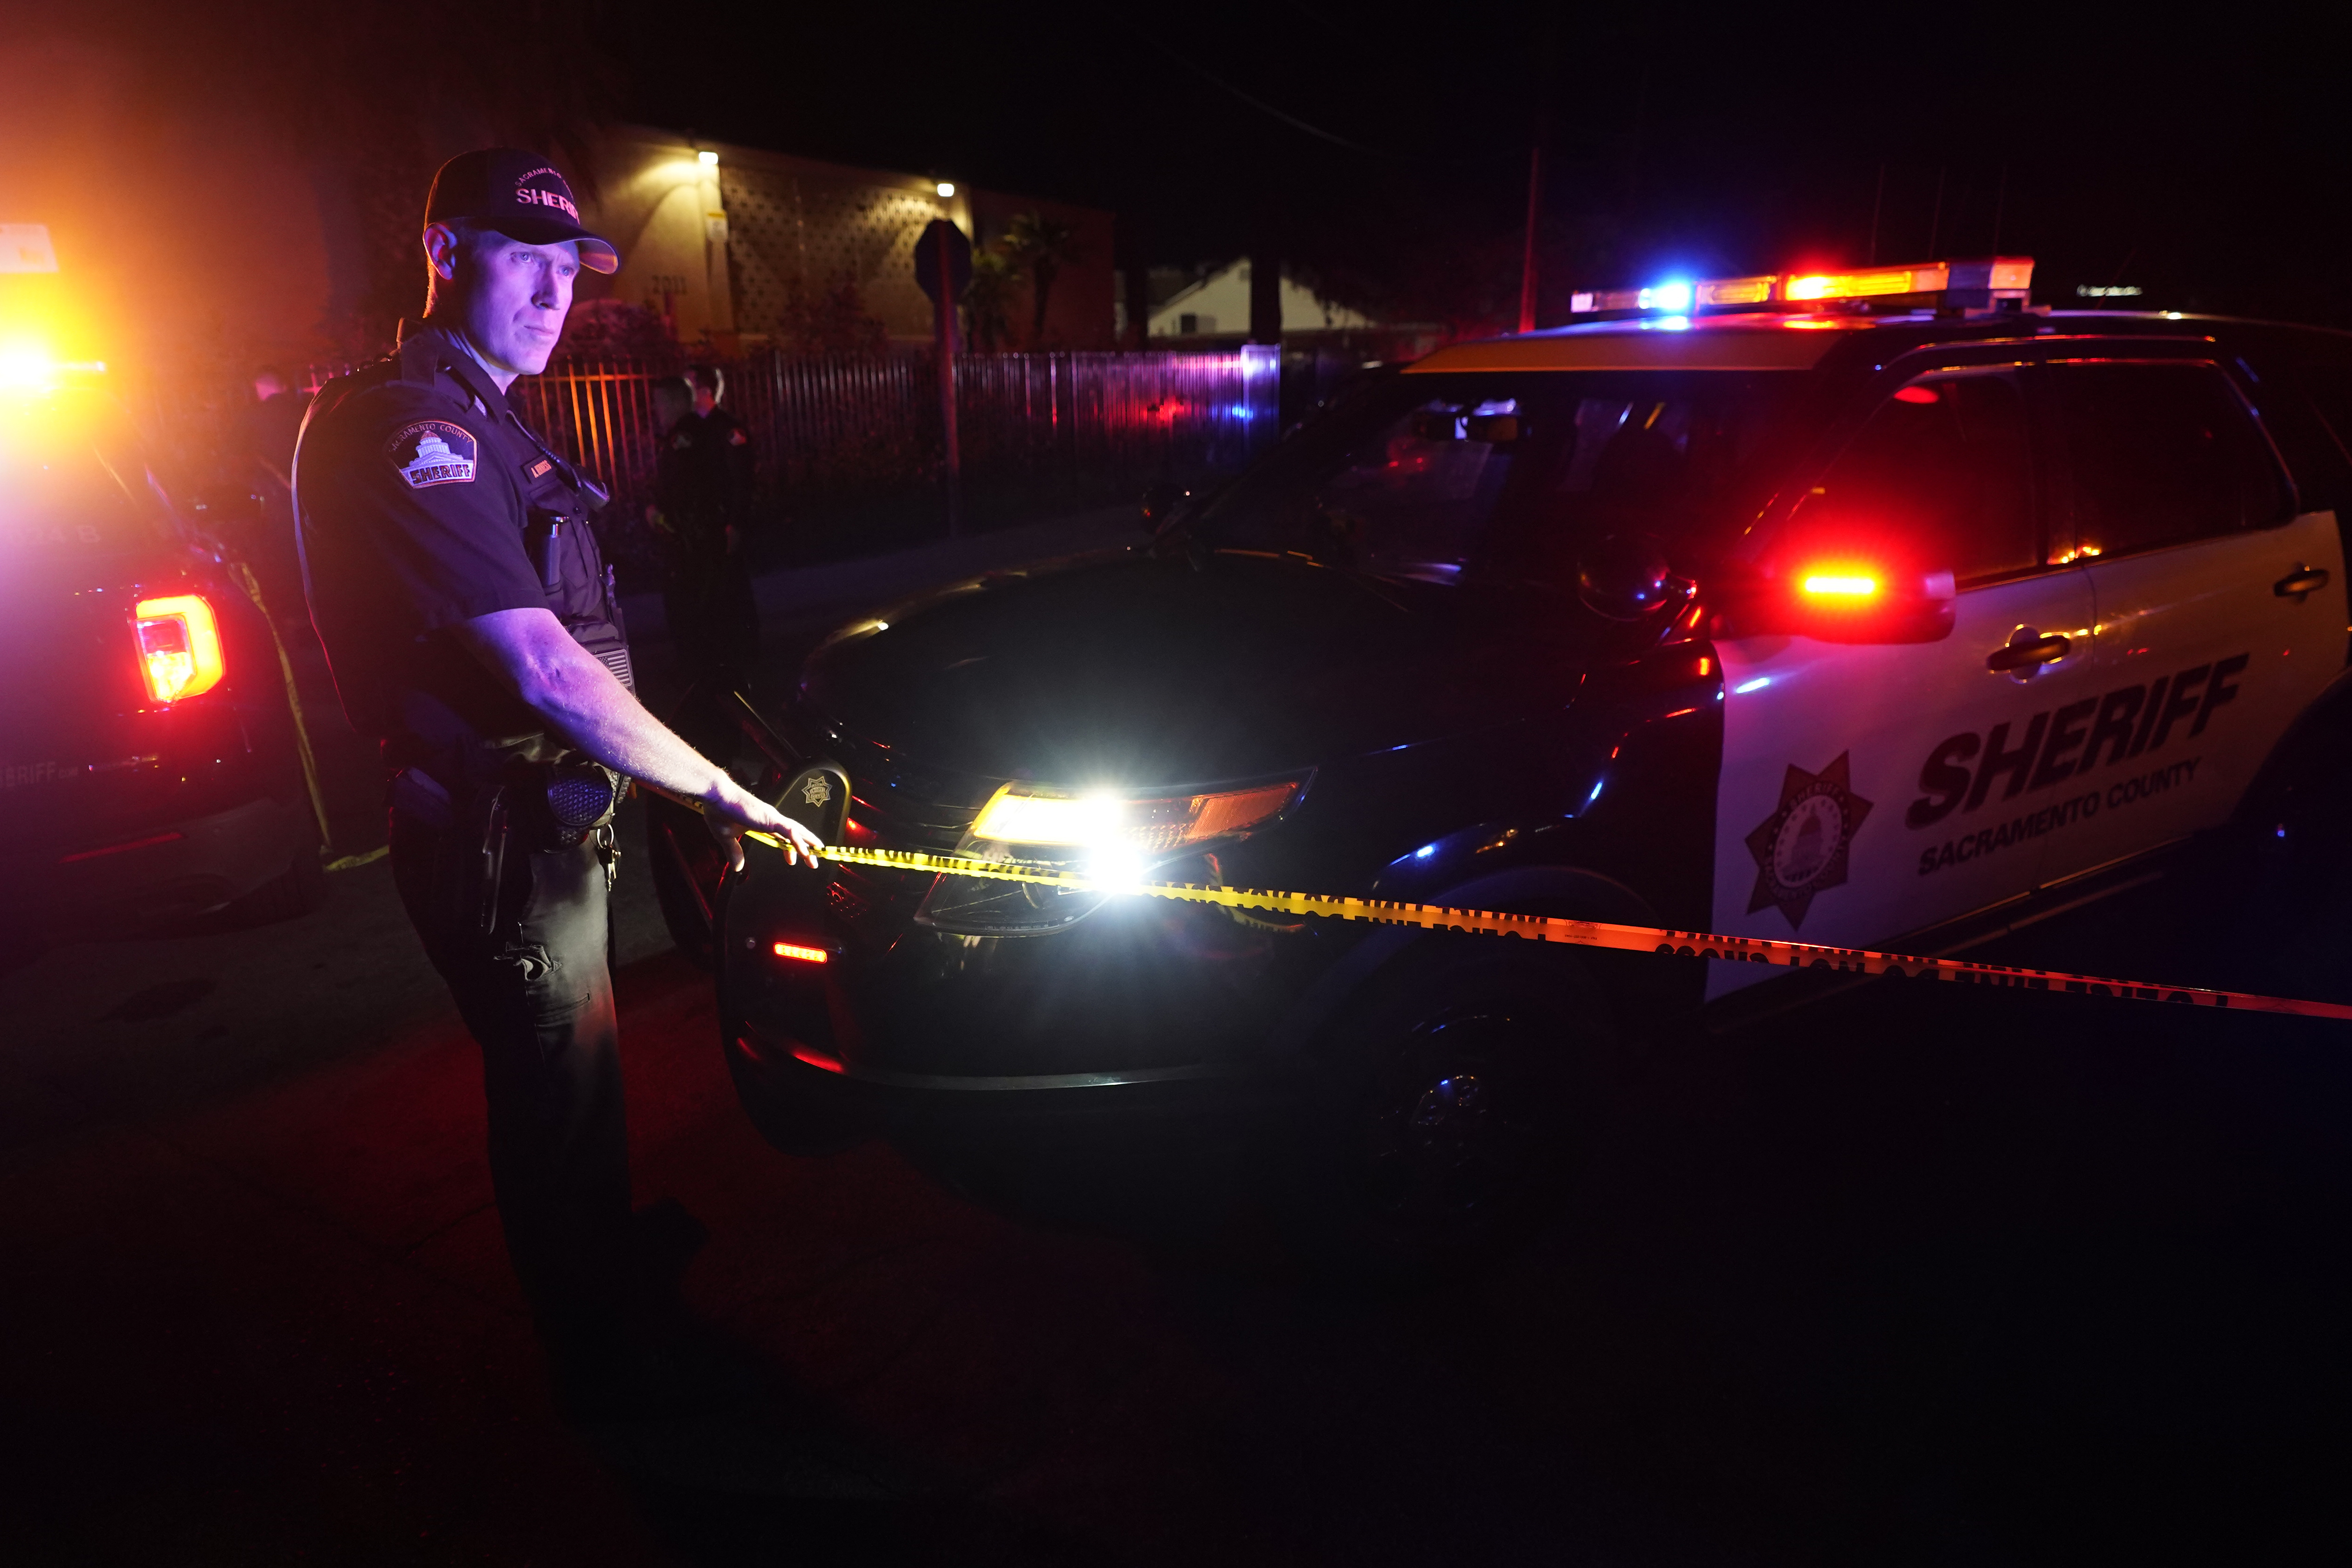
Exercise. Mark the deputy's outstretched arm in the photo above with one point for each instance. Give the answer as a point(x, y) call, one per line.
point(533, 657)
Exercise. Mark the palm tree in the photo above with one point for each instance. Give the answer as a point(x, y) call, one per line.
point(988, 303)
point(1045, 245)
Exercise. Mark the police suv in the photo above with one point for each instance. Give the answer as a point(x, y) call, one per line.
point(149, 765)
point(1866, 609)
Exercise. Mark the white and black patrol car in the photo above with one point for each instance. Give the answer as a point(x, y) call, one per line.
point(1872, 609)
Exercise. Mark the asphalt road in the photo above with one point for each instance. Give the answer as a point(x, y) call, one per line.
point(1921, 1276)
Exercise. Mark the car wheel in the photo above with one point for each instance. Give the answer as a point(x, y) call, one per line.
point(1444, 1113)
point(804, 1119)
point(296, 891)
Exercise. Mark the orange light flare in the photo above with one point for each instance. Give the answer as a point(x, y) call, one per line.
point(1849, 584)
point(800, 953)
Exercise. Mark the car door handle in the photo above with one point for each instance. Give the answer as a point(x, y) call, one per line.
point(2301, 583)
point(2019, 655)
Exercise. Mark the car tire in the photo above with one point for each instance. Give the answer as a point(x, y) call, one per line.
point(292, 893)
point(805, 1120)
point(1446, 1110)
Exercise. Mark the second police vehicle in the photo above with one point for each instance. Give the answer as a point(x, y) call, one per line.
point(1876, 608)
point(150, 769)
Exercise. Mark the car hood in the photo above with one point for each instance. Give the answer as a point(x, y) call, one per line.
point(1134, 670)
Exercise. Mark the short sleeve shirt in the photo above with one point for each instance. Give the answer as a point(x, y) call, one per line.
point(413, 509)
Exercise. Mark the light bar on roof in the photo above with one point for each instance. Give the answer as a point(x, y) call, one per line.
point(1736, 290)
point(1878, 280)
point(1978, 285)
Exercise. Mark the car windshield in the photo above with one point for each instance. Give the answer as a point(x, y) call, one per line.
point(72, 481)
point(1454, 477)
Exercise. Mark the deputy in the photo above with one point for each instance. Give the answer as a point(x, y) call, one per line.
point(703, 483)
point(472, 627)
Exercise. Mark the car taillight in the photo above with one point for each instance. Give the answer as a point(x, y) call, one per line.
point(179, 646)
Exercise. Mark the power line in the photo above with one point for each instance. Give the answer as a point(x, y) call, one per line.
point(1252, 99)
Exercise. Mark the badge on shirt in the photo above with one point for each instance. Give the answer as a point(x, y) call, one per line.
point(432, 452)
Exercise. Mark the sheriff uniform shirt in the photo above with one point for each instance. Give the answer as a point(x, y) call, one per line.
point(412, 503)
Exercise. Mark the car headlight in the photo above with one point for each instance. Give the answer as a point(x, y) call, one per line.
point(1109, 824)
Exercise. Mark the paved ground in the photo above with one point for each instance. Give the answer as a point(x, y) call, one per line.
point(1969, 1278)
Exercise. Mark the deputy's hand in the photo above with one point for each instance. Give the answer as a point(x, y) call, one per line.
point(732, 809)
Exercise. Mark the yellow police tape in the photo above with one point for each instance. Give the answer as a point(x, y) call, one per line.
point(1585, 932)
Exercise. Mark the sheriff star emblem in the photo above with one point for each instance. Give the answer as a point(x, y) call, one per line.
point(1800, 849)
point(816, 790)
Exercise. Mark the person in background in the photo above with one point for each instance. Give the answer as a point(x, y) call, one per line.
point(702, 514)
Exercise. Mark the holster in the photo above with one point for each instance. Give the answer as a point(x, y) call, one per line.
point(493, 827)
point(471, 830)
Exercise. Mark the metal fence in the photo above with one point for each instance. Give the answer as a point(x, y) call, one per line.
point(831, 430)
point(848, 452)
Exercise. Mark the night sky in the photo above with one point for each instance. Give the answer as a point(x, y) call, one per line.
point(2202, 156)
point(1387, 154)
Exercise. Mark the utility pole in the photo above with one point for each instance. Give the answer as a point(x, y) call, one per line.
point(1265, 294)
point(1534, 211)
point(1877, 203)
point(1137, 279)
point(1530, 283)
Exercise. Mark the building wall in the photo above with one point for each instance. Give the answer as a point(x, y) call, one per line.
point(727, 251)
point(801, 228)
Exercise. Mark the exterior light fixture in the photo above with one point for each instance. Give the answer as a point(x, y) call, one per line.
point(707, 158)
point(946, 189)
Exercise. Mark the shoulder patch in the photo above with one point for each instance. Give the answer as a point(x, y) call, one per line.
point(432, 452)
point(737, 438)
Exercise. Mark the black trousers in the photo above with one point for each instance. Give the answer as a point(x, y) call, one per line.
point(536, 996)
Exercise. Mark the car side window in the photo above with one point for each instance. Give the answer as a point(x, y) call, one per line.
point(2160, 454)
point(1943, 471)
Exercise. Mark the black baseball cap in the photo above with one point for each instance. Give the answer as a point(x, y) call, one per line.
point(522, 195)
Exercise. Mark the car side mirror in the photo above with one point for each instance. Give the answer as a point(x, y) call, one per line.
point(1625, 576)
point(1842, 601)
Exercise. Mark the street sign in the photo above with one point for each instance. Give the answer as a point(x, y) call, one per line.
point(927, 257)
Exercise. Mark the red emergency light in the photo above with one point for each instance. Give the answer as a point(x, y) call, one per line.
point(800, 953)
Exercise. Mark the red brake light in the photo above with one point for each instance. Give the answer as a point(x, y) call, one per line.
point(179, 647)
point(802, 954)
point(1840, 584)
